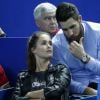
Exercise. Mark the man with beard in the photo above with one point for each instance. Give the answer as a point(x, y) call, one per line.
point(45, 18)
point(79, 48)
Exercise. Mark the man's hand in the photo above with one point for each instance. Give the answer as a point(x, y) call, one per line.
point(77, 49)
point(90, 91)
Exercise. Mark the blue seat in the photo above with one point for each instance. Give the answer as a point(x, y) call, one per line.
point(5, 94)
point(90, 98)
point(82, 97)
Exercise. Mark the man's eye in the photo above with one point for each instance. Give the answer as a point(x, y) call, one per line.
point(72, 26)
point(65, 29)
point(47, 18)
point(50, 42)
point(43, 43)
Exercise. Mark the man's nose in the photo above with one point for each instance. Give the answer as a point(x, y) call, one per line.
point(53, 20)
point(70, 32)
point(49, 45)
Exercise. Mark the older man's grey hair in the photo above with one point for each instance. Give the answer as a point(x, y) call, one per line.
point(43, 8)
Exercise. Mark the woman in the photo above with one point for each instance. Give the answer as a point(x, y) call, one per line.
point(42, 81)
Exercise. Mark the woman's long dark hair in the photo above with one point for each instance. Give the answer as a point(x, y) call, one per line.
point(32, 43)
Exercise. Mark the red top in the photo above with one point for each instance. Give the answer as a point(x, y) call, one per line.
point(3, 77)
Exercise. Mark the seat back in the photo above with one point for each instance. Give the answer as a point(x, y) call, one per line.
point(6, 94)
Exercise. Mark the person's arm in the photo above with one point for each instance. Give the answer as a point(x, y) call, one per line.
point(78, 51)
point(94, 63)
point(4, 83)
point(17, 91)
point(62, 79)
point(17, 95)
point(79, 88)
point(90, 91)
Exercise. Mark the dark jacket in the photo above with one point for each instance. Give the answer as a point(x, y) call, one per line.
point(55, 82)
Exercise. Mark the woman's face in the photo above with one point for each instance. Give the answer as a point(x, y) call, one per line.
point(43, 47)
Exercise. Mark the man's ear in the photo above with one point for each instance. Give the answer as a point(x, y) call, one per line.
point(80, 18)
point(37, 23)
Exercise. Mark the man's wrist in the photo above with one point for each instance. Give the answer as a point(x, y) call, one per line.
point(85, 58)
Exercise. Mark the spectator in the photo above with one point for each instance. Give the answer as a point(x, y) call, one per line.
point(44, 15)
point(79, 48)
point(42, 80)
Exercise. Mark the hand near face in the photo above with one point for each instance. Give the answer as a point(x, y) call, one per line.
point(36, 95)
point(77, 49)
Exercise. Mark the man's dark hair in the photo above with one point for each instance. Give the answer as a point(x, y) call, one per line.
point(65, 11)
